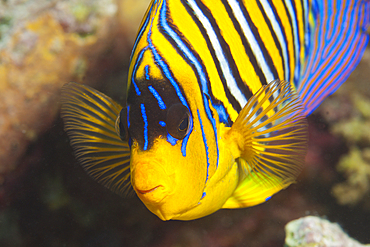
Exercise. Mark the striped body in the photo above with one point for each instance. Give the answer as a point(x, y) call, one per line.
point(226, 49)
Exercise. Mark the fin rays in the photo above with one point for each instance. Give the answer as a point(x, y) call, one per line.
point(89, 118)
point(276, 147)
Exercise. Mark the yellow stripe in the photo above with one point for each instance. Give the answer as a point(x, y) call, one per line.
point(266, 36)
point(289, 34)
point(190, 30)
point(301, 32)
point(232, 37)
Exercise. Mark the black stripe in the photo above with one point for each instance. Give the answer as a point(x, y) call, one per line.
point(235, 104)
point(257, 36)
point(277, 17)
point(276, 41)
point(293, 37)
point(305, 20)
point(226, 51)
point(188, 61)
point(297, 27)
point(247, 48)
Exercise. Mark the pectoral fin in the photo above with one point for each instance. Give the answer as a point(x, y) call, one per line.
point(270, 135)
point(254, 190)
point(89, 120)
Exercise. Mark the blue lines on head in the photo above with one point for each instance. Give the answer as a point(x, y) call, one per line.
point(137, 63)
point(128, 116)
point(161, 104)
point(171, 139)
point(160, 61)
point(145, 119)
point(205, 143)
point(147, 77)
point(141, 31)
point(189, 56)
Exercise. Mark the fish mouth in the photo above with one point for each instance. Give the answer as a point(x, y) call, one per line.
point(143, 192)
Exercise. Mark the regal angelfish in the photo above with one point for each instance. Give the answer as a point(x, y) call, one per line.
point(218, 91)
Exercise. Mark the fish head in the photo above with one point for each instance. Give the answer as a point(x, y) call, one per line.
point(173, 141)
point(170, 161)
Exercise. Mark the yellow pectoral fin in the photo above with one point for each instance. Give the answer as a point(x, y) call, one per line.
point(89, 120)
point(270, 135)
point(254, 190)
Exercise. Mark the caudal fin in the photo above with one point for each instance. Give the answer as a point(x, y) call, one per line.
point(339, 39)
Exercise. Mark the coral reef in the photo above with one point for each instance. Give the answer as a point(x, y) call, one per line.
point(350, 119)
point(44, 44)
point(313, 231)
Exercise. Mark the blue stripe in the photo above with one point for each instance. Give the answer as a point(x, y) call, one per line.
point(145, 119)
point(205, 142)
point(185, 140)
point(297, 45)
point(142, 30)
point(320, 38)
point(128, 116)
point(190, 57)
point(161, 104)
point(166, 71)
point(164, 67)
point(147, 77)
point(171, 139)
point(222, 114)
point(203, 195)
point(137, 63)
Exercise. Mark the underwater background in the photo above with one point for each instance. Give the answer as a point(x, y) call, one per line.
point(47, 199)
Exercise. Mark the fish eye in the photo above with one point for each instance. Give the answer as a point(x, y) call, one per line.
point(178, 118)
point(121, 125)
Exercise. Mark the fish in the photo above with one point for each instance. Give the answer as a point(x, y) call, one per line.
point(217, 97)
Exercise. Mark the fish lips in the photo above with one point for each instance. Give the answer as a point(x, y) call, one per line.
point(151, 182)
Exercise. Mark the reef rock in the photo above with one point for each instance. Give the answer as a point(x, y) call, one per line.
point(313, 231)
point(43, 45)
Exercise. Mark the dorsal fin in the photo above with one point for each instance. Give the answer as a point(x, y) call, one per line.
point(339, 38)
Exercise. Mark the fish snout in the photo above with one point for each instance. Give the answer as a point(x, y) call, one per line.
point(150, 182)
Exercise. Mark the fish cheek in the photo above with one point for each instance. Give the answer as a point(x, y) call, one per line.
point(168, 183)
point(191, 175)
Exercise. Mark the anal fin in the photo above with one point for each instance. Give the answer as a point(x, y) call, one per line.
point(253, 191)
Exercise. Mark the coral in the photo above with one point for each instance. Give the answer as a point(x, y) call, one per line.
point(312, 231)
point(43, 45)
point(348, 113)
point(356, 164)
point(356, 167)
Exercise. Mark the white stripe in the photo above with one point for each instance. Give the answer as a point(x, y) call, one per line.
point(296, 43)
point(277, 29)
point(230, 80)
point(251, 40)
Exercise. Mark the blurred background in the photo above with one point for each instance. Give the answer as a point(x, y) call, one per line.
point(46, 199)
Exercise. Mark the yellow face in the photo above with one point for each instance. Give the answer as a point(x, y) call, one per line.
point(165, 181)
point(174, 186)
